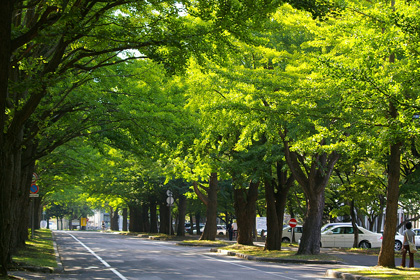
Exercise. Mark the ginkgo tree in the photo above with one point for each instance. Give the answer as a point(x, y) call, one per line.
point(45, 42)
point(370, 57)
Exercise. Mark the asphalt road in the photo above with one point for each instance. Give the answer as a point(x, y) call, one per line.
point(88, 255)
point(93, 255)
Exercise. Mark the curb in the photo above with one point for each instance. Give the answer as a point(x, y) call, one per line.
point(347, 276)
point(59, 267)
point(200, 245)
point(277, 260)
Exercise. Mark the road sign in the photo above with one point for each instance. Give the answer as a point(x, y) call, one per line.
point(168, 193)
point(170, 200)
point(34, 189)
point(34, 177)
point(292, 222)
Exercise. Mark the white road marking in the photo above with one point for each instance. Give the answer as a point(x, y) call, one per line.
point(99, 258)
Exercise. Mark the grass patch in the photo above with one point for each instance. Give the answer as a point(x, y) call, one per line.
point(216, 243)
point(38, 251)
point(379, 272)
point(163, 236)
point(286, 253)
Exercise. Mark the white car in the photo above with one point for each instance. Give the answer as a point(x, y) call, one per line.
point(221, 230)
point(399, 239)
point(287, 233)
point(343, 236)
point(417, 237)
point(330, 225)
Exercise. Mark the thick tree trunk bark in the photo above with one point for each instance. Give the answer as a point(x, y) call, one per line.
point(125, 219)
point(210, 230)
point(164, 217)
point(145, 217)
point(114, 220)
point(135, 218)
point(285, 182)
point(197, 222)
point(245, 208)
point(273, 240)
point(10, 199)
point(182, 211)
point(386, 255)
point(311, 236)
point(6, 152)
point(354, 224)
point(153, 217)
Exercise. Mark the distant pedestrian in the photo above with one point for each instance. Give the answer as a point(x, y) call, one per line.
point(230, 231)
point(409, 235)
point(103, 226)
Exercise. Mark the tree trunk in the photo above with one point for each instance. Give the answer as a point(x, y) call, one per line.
point(313, 185)
point(285, 182)
point(197, 222)
point(382, 203)
point(354, 224)
point(245, 209)
point(191, 231)
point(182, 211)
point(311, 236)
point(6, 152)
point(153, 217)
point(114, 219)
point(273, 240)
point(164, 217)
point(386, 255)
point(210, 230)
point(135, 218)
point(145, 217)
point(36, 212)
point(125, 219)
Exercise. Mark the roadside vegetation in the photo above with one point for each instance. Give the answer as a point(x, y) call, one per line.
point(378, 272)
point(39, 251)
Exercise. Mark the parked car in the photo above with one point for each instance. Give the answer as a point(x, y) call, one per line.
point(399, 239)
point(343, 236)
point(287, 233)
point(221, 230)
point(330, 225)
point(201, 228)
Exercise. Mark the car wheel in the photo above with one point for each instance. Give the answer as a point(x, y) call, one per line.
point(364, 244)
point(398, 245)
point(285, 240)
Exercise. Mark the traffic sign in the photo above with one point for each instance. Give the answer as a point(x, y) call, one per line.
point(168, 193)
point(170, 200)
point(34, 189)
point(292, 222)
point(34, 177)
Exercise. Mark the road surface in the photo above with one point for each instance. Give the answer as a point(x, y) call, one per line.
point(93, 255)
